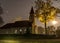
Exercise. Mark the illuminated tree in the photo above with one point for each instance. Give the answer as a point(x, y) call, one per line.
point(45, 12)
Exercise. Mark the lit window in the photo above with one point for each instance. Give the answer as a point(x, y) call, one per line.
point(20, 30)
point(15, 31)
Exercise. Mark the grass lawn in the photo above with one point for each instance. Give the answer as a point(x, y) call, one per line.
point(22, 39)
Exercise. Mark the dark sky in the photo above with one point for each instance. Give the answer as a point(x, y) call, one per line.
point(19, 9)
point(15, 9)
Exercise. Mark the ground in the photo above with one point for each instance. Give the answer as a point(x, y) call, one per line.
point(22, 39)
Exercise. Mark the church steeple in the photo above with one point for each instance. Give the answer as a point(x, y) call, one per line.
point(32, 10)
point(31, 16)
point(32, 19)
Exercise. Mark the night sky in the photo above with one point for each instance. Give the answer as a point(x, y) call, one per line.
point(19, 9)
point(16, 9)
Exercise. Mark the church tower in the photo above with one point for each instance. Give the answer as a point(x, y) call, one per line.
point(32, 20)
point(31, 16)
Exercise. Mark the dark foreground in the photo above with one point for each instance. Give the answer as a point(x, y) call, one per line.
point(10, 38)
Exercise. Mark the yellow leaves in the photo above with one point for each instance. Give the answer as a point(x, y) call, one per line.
point(49, 16)
point(41, 19)
point(53, 12)
point(46, 13)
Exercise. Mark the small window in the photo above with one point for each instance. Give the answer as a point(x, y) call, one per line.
point(15, 31)
point(20, 30)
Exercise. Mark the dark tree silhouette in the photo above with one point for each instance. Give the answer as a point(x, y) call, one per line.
point(1, 12)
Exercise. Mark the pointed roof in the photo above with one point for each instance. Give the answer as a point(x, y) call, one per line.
point(32, 10)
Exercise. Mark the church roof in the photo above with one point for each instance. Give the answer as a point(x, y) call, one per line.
point(17, 24)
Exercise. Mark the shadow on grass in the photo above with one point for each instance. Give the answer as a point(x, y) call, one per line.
point(27, 36)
